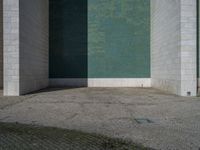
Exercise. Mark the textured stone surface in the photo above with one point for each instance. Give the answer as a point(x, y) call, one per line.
point(34, 41)
point(198, 61)
point(112, 112)
point(25, 46)
point(1, 43)
point(188, 47)
point(173, 46)
point(11, 47)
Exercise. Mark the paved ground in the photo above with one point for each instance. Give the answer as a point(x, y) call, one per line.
point(172, 122)
point(28, 137)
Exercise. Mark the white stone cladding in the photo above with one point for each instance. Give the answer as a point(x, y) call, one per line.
point(188, 47)
point(165, 44)
point(1, 43)
point(11, 46)
point(173, 46)
point(34, 45)
point(198, 47)
point(25, 45)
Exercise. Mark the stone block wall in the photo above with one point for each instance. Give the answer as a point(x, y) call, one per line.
point(173, 46)
point(1, 43)
point(11, 47)
point(25, 46)
point(188, 47)
point(165, 45)
point(198, 50)
point(34, 45)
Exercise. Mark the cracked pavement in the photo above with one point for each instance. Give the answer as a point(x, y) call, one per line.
point(174, 121)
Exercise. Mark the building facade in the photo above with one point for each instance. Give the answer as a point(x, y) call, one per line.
point(99, 43)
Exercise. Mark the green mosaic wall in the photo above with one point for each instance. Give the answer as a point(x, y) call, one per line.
point(111, 40)
point(119, 38)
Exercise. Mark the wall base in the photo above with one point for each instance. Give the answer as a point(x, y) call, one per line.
point(102, 82)
point(171, 86)
point(116, 82)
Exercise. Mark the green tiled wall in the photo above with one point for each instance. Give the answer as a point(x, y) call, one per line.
point(111, 40)
point(118, 38)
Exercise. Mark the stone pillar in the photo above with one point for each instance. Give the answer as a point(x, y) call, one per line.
point(173, 46)
point(25, 46)
point(1, 43)
point(11, 47)
point(198, 50)
point(34, 45)
point(188, 48)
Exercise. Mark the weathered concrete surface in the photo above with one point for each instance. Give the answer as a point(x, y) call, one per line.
point(111, 111)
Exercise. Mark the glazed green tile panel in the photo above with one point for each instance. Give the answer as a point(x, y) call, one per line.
point(68, 39)
point(119, 38)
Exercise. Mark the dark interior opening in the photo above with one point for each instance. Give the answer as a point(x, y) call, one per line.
point(68, 39)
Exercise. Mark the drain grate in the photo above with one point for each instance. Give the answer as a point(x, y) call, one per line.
point(143, 120)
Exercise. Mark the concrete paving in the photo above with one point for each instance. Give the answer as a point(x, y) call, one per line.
point(143, 115)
